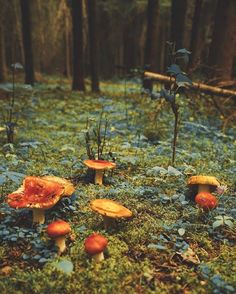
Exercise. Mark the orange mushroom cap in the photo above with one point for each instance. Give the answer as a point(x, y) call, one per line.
point(203, 180)
point(99, 164)
point(110, 208)
point(58, 228)
point(36, 193)
point(95, 244)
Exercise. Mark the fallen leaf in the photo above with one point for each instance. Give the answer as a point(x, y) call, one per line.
point(189, 255)
point(6, 270)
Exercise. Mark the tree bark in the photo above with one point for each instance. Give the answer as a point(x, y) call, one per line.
point(196, 42)
point(27, 41)
point(3, 67)
point(201, 28)
point(77, 31)
point(93, 48)
point(151, 46)
point(178, 17)
point(222, 48)
point(67, 44)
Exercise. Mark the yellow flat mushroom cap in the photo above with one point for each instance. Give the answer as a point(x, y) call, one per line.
point(69, 188)
point(110, 208)
point(203, 180)
point(99, 164)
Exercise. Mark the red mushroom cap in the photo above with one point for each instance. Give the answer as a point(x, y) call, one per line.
point(206, 200)
point(95, 244)
point(99, 164)
point(36, 193)
point(58, 228)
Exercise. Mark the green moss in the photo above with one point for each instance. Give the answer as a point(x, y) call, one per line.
point(56, 118)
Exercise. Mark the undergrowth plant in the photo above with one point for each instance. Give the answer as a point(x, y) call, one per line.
point(178, 81)
point(96, 138)
point(9, 117)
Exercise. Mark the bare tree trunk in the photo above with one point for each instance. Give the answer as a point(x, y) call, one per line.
point(222, 49)
point(151, 47)
point(197, 41)
point(77, 30)
point(178, 18)
point(27, 41)
point(3, 68)
point(93, 48)
point(67, 44)
point(201, 28)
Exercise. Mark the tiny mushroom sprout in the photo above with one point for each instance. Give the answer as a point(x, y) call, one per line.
point(206, 200)
point(203, 183)
point(37, 194)
point(110, 210)
point(94, 245)
point(99, 166)
point(69, 189)
point(58, 230)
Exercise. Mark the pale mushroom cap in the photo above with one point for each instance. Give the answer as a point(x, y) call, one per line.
point(58, 228)
point(68, 186)
point(99, 164)
point(203, 180)
point(110, 208)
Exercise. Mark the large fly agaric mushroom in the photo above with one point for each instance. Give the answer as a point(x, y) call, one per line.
point(99, 166)
point(37, 194)
point(69, 189)
point(58, 230)
point(110, 210)
point(203, 184)
point(94, 245)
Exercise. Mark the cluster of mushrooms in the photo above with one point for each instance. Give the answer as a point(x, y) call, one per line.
point(42, 193)
point(202, 187)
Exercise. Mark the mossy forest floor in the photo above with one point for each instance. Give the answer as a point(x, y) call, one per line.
point(168, 245)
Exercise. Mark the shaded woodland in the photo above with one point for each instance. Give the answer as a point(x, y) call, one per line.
point(117, 146)
point(105, 39)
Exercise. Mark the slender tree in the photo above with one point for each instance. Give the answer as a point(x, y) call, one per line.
point(27, 41)
point(3, 68)
point(93, 48)
point(196, 42)
point(77, 31)
point(201, 27)
point(151, 46)
point(178, 22)
point(222, 49)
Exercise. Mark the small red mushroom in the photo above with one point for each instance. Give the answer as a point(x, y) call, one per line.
point(206, 200)
point(58, 230)
point(95, 245)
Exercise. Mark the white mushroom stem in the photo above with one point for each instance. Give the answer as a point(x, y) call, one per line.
point(98, 177)
point(61, 244)
point(108, 222)
point(98, 257)
point(38, 215)
point(203, 188)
